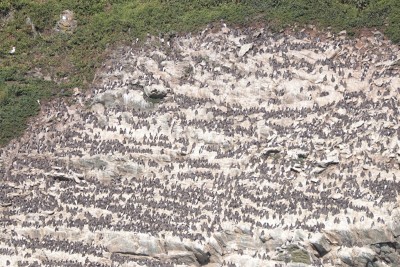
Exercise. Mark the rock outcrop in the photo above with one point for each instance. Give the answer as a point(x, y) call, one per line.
point(67, 22)
point(232, 147)
point(156, 91)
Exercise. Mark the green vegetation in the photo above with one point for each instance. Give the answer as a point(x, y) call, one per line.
point(299, 255)
point(295, 254)
point(71, 59)
point(19, 100)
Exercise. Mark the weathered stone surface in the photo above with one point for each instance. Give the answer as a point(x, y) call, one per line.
point(186, 252)
point(200, 251)
point(135, 244)
point(337, 196)
point(394, 223)
point(155, 91)
point(244, 49)
point(345, 255)
point(321, 244)
point(77, 177)
point(28, 22)
point(67, 22)
point(362, 256)
point(373, 236)
point(331, 158)
point(186, 180)
point(271, 150)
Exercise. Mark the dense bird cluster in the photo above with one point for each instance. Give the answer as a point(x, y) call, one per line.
point(289, 131)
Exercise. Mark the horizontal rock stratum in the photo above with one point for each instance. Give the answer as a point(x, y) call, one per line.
point(232, 147)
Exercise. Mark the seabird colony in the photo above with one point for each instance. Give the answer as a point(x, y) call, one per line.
point(293, 130)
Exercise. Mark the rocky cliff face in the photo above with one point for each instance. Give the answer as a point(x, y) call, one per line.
point(230, 147)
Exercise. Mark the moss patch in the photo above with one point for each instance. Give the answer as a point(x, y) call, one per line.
point(300, 256)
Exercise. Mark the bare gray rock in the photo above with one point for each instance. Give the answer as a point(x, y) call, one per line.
point(67, 22)
point(271, 150)
point(321, 244)
point(155, 91)
point(244, 49)
point(278, 156)
point(134, 244)
point(358, 257)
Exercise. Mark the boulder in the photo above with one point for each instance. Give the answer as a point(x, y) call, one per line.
point(264, 237)
point(314, 179)
point(275, 239)
point(215, 249)
point(299, 236)
point(65, 176)
point(215, 246)
point(336, 196)
point(296, 169)
point(321, 244)
point(247, 261)
point(343, 237)
point(231, 241)
point(374, 236)
point(67, 22)
point(202, 255)
point(155, 91)
point(358, 124)
point(174, 244)
point(388, 253)
point(129, 168)
point(302, 154)
point(183, 257)
point(331, 53)
point(344, 255)
point(362, 256)
point(92, 163)
point(298, 255)
point(395, 223)
point(134, 244)
point(318, 170)
point(243, 228)
point(271, 150)
point(108, 100)
point(30, 24)
point(244, 49)
point(135, 99)
point(357, 256)
point(294, 254)
point(331, 158)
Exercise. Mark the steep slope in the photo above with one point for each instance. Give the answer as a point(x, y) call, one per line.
point(233, 145)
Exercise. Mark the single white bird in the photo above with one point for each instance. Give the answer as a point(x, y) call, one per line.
point(12, 51)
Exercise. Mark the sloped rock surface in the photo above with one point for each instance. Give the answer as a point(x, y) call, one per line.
point(265, 149)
